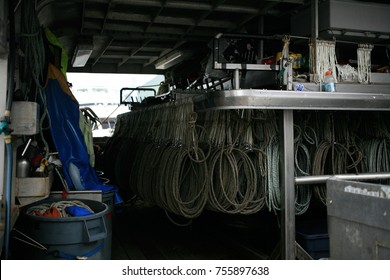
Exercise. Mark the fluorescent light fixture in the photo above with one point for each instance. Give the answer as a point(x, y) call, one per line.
point(365, 34)
point(169, 61)
point(81, 55)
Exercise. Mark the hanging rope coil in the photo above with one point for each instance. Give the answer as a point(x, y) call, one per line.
point(234, 187)
point(338, 152)
point(364, 63)
point(322, 58)
point(302, 160)
point(228, 160)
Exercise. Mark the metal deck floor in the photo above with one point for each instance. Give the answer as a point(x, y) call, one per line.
point(146, 233)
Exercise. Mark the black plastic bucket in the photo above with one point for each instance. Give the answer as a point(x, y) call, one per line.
point(84, 237)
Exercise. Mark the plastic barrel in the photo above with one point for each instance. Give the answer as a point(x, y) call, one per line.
point(108, 199)
point(84, 237)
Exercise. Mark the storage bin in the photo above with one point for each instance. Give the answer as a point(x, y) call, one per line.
point(358, 220)
point(313, 237)
point(82, 237)
point(32, 189)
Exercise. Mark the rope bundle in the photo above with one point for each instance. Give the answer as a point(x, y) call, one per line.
point(228, 160)
point(364, 63)
point(59, 208)
point(322, 58)
point(169, 167)
point(349, 143)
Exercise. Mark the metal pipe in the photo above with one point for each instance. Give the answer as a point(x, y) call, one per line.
point(236, 78)
point(314, 19)
point(8, 197)
point(287, 186)
point(320, 179)
point(261, 31)
point(12, 57)
point(7, 137)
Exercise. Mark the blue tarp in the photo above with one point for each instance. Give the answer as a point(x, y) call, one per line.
point(68, 139)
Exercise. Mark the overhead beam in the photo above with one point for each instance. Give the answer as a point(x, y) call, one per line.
point(165, 52)
point(103, 50)
point(162, 5)
point(137, 30)
point(133, 53)
point(106, 15)
point(141, 53)
point(138, 34)
point(82, 18)
point(146, 18)
point(193, 5)
point(288, 1)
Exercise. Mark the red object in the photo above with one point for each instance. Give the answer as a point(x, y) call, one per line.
point(52, 212)
point(64, 194)
point(268, 60)
point(36, 160)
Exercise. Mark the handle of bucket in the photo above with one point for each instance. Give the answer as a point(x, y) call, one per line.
point(85, 256)
point(95, 232)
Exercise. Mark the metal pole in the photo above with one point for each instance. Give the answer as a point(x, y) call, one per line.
point(261, 43)
point(236, 79)
point(287, 186)
point(319, 179)
point(314, 36)
point(314, 19)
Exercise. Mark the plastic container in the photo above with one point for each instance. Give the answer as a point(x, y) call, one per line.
point(108, 199)
point(359, 220)
point(297, 59)
point(23, 168)
point(299, 87)
point(329, 84)
point(313, 237)
point(84, 237)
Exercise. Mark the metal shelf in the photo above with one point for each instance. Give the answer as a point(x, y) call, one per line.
point(292, 100)
point(246, 66)
point(287, 102)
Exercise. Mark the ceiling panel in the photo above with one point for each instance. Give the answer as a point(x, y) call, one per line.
point(130, 35)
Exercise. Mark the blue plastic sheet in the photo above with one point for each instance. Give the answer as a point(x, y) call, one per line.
point(68, 139)
point(78, 211)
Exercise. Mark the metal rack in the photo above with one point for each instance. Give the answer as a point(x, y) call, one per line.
point(371, 98)
point(286, 102)
point(352, 97)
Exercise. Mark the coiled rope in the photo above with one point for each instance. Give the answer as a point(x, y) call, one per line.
point(228, 160)
point(302, 160)
point(59, 207)
point(170, 168)
point(337, 153)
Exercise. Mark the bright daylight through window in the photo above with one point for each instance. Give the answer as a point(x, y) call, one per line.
point(99, 95)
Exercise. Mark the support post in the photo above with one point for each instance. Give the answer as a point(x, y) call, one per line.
point(314, 36)
point(236, 79)
point(287, 186)
point(261, 42)
point(314, 19)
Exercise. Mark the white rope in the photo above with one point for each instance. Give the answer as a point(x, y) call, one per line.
point(364, 63)
point(347, 73)
point(272, 186)
point(40, 210)
point(323, 58)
